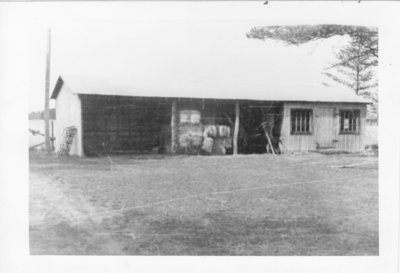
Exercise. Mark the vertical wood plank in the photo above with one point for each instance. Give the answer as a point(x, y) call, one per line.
point(46, 96)
point(174, 131)
point(236, 130)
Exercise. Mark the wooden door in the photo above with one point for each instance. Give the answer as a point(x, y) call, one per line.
point(324, 127)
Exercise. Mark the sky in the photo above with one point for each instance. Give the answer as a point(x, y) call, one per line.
point(174, 41)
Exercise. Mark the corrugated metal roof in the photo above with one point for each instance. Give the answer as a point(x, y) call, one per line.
point(207, 89)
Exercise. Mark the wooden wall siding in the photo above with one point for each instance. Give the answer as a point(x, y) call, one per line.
point(124, 124)
point(68, 108)
point(351, 142)
point(325, 129)
point(140, 125)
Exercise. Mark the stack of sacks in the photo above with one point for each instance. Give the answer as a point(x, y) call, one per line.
point(189, 116)
point(228, 142)
point(208, 144)
point(216, 139)
point(219, 146)
point(224, 131)
point(196, 140)
point(190, 136)
point(195, 117)
point(184, 141)
point(210, 131)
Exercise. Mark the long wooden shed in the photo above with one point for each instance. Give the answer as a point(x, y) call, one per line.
point(204, 118)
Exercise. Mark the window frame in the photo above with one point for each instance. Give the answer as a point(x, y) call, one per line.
point(310, 122)
point(357, 123)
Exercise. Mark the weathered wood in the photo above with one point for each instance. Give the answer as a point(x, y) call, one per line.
point(236, 129)
point(47, 96)
point(269, 142)
point(52, 138)
point(174, 129)
point(228, 118)
point(358, 164)
point(124, 125)
point(324, 124)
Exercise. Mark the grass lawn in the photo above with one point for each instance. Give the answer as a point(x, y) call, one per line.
point(299, 204)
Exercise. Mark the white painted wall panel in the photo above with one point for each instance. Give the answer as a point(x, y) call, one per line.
point(68, 113)
point(326, 127)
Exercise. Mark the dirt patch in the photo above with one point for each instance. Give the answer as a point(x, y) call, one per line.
point(57, 220)
point(49, 205)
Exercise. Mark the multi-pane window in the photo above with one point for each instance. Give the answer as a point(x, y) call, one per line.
point(349, 121)
point(301, 121)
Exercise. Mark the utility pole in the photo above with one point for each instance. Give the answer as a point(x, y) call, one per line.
point(47, 95)
point(236, 129)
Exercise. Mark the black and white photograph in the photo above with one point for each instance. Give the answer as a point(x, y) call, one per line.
point(239, 129)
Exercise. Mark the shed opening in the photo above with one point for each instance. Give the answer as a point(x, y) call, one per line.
point(261, 127)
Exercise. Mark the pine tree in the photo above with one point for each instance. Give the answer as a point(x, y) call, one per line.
point(355, 69)
point(356, 61)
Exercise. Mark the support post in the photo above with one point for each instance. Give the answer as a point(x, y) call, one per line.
point(52, 135)
point(174, 131)
point(236, 129)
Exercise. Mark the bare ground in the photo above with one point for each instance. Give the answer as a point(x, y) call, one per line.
point(244, 205)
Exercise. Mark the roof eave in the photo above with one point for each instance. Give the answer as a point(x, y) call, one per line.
point(57, 88)
point(239, 99)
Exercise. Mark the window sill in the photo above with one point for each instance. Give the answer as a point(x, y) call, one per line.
point(301, 133)
point(349, 133)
